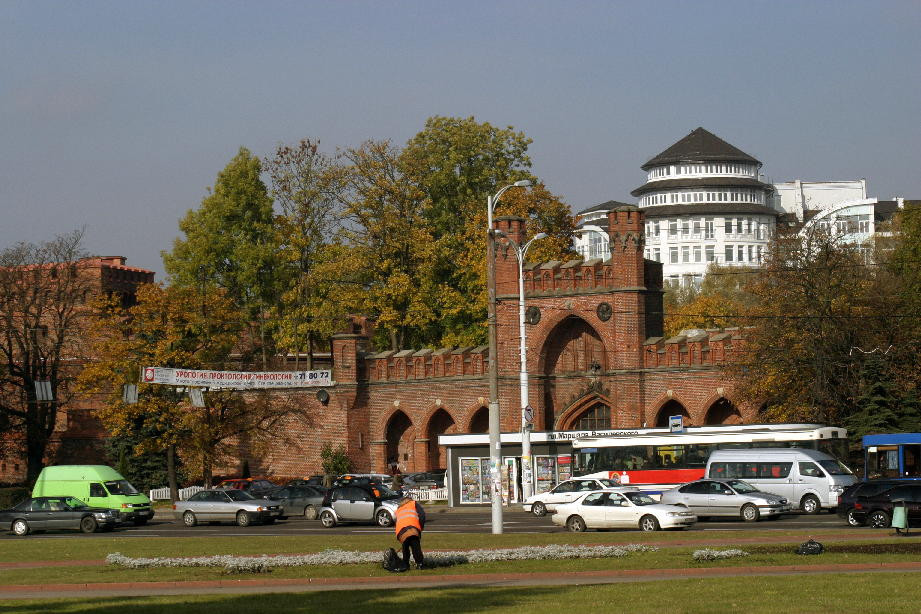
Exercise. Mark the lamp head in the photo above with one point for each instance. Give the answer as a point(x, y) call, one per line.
point(523, 183)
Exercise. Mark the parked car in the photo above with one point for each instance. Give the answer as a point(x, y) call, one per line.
point(314, 480)
point(726, 498)
point(624, 508)
point(424, 480)
point(299, 501)
point(876, 510)
point(257, 487)
point(564, 492)
point(364, 479)
point(53, 513)
point(861, 489)
point(809, 479)
point(228, 505)
point(359, 503)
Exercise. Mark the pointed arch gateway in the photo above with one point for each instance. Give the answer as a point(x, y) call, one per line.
point(399, 435)
point(440, 423)
point(592, 413)
point(723, 411)
point(571, 347)
point(672, 408)
point(479, 423)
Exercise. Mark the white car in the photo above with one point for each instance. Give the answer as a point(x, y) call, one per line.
point(621, 509)
point(564, 492)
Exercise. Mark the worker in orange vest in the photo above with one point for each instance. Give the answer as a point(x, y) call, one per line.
point(410, 521)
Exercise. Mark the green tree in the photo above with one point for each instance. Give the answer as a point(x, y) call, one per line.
point(390, 245)
point(876, 407)
point(720, 301)
point(304, 184)
point(231, 243)
point(335, 461)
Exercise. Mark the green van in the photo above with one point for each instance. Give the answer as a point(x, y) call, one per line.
point(97, 486)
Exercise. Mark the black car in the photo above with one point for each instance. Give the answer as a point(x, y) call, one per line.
point(861, 489)
point(53, 513)
point(877, 509)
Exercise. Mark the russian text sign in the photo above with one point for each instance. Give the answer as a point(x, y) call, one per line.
point(237, 380)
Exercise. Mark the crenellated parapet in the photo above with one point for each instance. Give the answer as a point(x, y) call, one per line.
point(693, 348)
point(426, 364)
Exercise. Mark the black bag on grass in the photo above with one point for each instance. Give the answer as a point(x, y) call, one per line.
point(392, 561)
point(810, 547)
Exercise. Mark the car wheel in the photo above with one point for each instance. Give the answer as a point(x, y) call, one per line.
point(383, 518)
point(538, 509)
point(853, 520)
point(88, 524)
point(879, 519)
point(750, 513)
point(649, 523)
point(310, 512)
point(189, 519)
point(810, 504)
point(328, 520)
point(575, 524)
point(243, 519)
point(20, 527)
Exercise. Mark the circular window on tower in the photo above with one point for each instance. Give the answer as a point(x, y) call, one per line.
point(532, 315)
point(604, 311)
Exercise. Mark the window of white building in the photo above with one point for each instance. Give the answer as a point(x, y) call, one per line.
point(673, 255)
point(697, 253)
point(708, 228)
point(730, 251)
point(710, 254)
point(685, 253)
point(728, 225)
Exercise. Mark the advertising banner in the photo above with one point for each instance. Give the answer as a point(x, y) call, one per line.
point(236, 380)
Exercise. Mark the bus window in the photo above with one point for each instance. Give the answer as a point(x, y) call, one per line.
point(912, 456)
point(882, 462)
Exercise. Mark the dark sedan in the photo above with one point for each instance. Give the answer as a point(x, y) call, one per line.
point(852, 493)
point(55, 513)
point(299, 500)
point(877, 510)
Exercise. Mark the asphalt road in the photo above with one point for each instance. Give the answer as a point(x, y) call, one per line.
point(439, 521)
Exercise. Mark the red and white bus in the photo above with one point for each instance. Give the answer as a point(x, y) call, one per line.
point(656, 459)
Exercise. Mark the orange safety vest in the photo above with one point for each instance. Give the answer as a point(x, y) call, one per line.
point(407, 521)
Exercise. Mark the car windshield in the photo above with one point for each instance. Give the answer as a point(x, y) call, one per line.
point(742, 487)
point(609, 483)
point(120, 487)
point(239, 495)
point(640, 498)
point(386, 493)
point(834, 467)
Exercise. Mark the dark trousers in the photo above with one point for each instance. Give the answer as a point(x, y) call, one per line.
point(412, 543)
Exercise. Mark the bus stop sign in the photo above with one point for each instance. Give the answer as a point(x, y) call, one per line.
point(676, 424)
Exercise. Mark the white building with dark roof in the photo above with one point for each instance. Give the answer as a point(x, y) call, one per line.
point(704, 202)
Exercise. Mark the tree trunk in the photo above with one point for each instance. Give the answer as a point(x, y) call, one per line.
point(171, 473)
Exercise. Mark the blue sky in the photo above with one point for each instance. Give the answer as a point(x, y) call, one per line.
point(117, 116)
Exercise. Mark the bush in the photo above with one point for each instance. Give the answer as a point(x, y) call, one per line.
point(13, 495)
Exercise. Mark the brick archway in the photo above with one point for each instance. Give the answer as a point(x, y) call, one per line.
point(399, 435)
point(569, 418)
point(479, 421)
point(439, 423)
point(723, 411)
point(671, 407)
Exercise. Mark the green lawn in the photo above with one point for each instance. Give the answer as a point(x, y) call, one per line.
point(677, 557)
point(35, 548)
point(820, 593)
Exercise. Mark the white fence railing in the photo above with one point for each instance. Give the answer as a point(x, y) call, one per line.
point(184, 493)
point(431, 494)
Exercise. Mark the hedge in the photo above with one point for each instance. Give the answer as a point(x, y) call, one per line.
point(13, 495)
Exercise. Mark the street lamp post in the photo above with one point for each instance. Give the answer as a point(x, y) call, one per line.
point(527, 479)
point(495, 448)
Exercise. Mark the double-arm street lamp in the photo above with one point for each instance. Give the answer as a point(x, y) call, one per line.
point(495, 448)
point(527, 478)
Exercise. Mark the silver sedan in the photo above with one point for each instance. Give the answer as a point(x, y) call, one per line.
point(726, 498)
point(229, 505)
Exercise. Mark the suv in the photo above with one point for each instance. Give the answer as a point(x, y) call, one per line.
point(255, 486)
point(359, 503)
point(861, 489)
point(876, 510)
